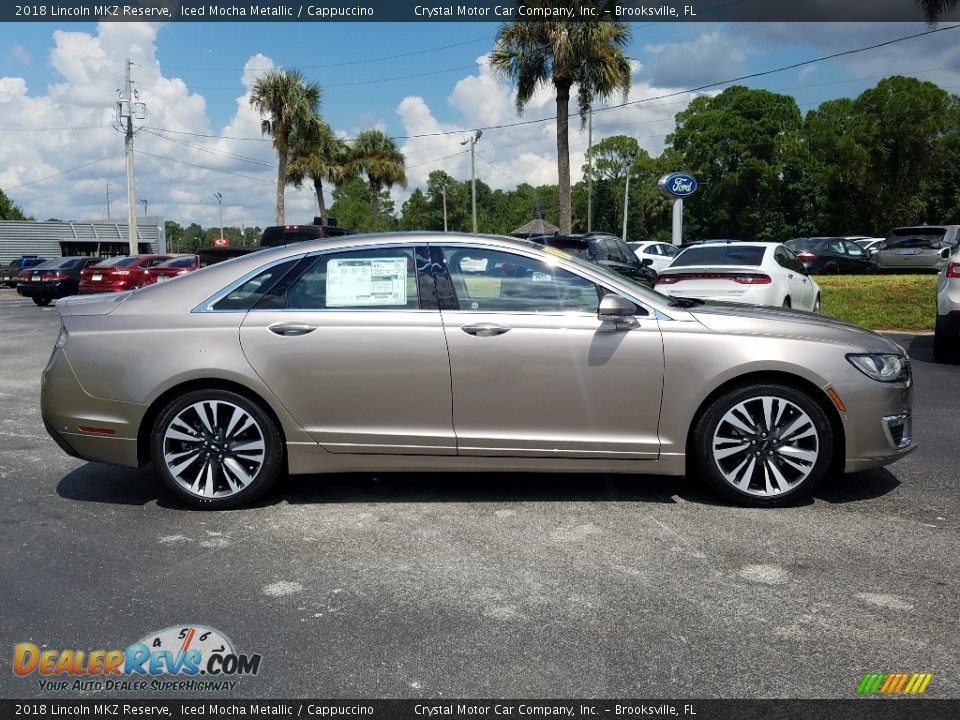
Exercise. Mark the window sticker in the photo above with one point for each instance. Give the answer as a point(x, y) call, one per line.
point(542, 277)
point(366, 281)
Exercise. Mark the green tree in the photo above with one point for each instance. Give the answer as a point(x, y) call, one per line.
point(378, 157)
point(290, 102)
point(587, 54)
point(734, 143)
point(316, 152)
point(352, 206)
point(173, 231)
point(10, 210)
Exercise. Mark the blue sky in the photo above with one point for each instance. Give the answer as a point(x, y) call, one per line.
point(194, 78)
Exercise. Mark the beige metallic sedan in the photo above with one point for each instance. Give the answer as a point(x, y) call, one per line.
point(436, 352)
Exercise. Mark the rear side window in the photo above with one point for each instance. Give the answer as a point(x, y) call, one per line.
point(253, 290)
point(720, 255)
point(180, 262)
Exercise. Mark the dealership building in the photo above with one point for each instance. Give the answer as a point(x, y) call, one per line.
point(98, 238)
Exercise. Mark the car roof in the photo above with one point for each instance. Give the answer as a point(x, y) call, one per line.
point(739, 244)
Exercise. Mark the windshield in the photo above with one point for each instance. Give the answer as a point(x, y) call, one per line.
point(121, 261)
point(916, 237)
point(720, 255)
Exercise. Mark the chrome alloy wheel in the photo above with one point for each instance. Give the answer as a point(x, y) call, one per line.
point(765, 446)
point(213, 448)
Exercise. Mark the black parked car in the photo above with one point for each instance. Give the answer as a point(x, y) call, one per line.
point(53, 279)
point(606, 250)
point(831, 256)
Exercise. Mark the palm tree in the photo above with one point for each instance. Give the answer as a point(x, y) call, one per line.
point(289, 101)
point(588, 54)
point(934, 9)
point(316, 152)
point(378, 157)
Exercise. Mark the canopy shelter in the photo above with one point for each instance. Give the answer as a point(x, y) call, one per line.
point(535, 227)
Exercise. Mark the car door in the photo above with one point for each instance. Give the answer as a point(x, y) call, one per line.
point(534, 371)
point(859, 259)
point(351, 343)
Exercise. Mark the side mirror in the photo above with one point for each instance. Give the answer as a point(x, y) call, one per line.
point(945, 253)
point(646, 262)
point(616, 306)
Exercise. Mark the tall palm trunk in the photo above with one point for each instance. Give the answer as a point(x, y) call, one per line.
point(281, 177)
point(374, 208)
point(318, 187)
point(563, 154)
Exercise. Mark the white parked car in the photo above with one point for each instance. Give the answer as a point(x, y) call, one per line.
point(869, 245)
point(754, 273)
point(946, 334)
point(660, 254)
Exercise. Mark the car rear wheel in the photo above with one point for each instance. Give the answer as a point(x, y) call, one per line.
point(816, 305)
point(945, 348)
point(763, 445)
point(216, 450)
point(42, 300)
point(787, 303)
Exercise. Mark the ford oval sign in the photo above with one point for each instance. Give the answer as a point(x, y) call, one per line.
point(678, 185)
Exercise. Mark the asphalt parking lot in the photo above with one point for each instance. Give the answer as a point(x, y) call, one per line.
point(479, 586)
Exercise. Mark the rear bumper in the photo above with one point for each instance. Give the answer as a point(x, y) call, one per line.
point(56, 289)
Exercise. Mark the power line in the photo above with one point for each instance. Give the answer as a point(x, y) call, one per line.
point(510, 177)
point(63, 172)
point(227, 155)
point(346, 63)
point(203, 167)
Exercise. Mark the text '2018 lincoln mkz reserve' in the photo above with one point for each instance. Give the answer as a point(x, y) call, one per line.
point(437, 352)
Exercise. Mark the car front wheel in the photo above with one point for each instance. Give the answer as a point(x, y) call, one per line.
point(763, 445)
point(41, 301)
point(216, 450)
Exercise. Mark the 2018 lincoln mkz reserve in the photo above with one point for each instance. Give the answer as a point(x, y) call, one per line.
point(436, 352)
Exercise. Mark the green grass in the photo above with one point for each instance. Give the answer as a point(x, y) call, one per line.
point(881, 302)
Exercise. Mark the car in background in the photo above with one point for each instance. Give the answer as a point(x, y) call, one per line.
point(608, 251)
point(118, 274)
point(917, 248)
point(276, 235)
point(275, 363)
point(869, 245)
point(53, 279)
point(946, 332)
point(660, 254)
point(10, 272)
point(171, 268)
point(831, 256)
point(753, 273)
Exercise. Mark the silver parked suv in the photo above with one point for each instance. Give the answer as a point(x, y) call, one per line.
point(946, 338)
point(916, 248)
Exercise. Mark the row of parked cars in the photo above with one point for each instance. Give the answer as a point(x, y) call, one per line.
point(63, 276)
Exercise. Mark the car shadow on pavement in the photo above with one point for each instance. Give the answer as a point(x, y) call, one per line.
point(94, 482)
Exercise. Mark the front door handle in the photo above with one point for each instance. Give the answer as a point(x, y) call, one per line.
point(291, 329)
point(485, 329)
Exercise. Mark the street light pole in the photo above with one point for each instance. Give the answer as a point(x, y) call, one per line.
point(473, 172)
point(626, 195)
point(219, 198)
point(145, 203)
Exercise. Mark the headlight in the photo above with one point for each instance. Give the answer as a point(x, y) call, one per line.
point(883, 367)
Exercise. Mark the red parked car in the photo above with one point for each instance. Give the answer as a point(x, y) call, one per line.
point(171, 268)
point(118, 274)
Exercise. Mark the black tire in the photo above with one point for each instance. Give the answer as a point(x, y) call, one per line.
point(41, 300)
point(263, 472)
point(831, 269)
point(796, 404)
point(786, 302)
point(817, 307)
point(945, 348)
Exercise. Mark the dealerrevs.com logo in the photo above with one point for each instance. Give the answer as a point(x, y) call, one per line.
point(179, 658)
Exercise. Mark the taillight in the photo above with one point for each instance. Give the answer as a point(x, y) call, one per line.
point(806, 256)
point(953, 270)
point(23, 277)
point(54, 276)
point(752, 279)
point(741, 278)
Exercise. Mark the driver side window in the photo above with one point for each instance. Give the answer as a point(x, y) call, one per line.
point(487, 280)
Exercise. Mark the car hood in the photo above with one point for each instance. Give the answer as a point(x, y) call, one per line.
point(96, 304)
point(782, 322)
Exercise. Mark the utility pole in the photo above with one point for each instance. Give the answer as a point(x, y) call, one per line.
point(626, 195)
point(108, 201)
point(443, 189)
point(128, 153)
point(590, 170)
point(473, 172)
point(219, 198)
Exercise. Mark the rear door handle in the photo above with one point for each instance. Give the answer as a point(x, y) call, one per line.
point(485, 329)
point(291, 328)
